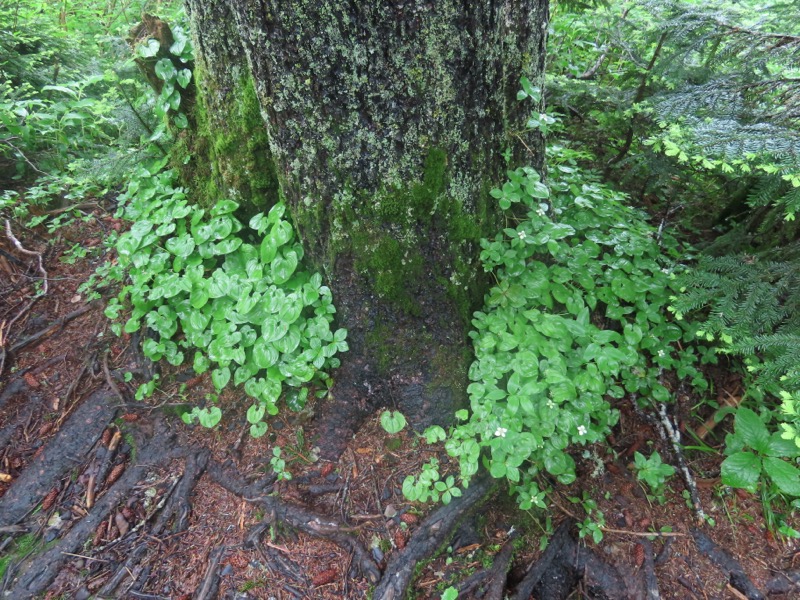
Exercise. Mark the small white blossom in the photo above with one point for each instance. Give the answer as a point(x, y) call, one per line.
point(521, 235)
point(582, 430)
point(540, 212)
point(661, 353)
point(501, 432)
point(551, 404)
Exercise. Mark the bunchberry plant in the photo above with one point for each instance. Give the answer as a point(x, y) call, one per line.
point(577, 317)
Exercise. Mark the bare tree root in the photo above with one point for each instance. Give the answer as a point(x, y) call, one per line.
point(429, 538)
point(563, 564)
point(210, 586)
point(649, 567)
point(39, 572)
point(784, 583)
point(299, 518)
point(498, 574)
point(68, 446)
point(175, 508)
point(52, 327)
point(555, 547)
point(738, 578)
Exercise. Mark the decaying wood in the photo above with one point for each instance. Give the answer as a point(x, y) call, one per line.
point(720, 557)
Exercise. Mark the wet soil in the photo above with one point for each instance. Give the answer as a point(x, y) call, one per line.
point(102, 496)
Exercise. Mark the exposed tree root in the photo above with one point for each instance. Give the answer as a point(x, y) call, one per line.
point(738, 578)
point(37, 573)
point(430, 537)
point(649, 568)
point(297, 517)
point(563, 564)
point(785, 583)
point(498, 574)
point(67, 448)
point(175, 508)
point(210, 586)
point(52, 327)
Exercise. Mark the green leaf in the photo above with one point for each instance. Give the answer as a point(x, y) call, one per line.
point(742, 470)
point(256, 412)
point(165, 70)
point(182, 246)
point(209, 417)
point(283, 267)
point(784, 475)
point(184, 76)
point(264, 354)
point(257, 430)
point(220, 378)
point(751, 429)
point(149, 49)
point(392, 421)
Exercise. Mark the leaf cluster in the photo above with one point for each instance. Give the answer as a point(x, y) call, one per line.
point(198, 284)
point(577, 317)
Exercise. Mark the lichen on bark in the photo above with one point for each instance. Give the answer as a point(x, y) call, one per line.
point(386, 125)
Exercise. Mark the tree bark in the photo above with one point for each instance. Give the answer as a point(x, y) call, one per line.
point(386, 127)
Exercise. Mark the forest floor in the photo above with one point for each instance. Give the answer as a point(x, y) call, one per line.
point(103, 496)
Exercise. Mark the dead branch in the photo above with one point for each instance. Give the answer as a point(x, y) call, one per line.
point(52, 327)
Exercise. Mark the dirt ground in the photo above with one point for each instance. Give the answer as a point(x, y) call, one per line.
point(103, 496)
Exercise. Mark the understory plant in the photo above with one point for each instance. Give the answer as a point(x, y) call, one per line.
point(578, 316)
point(230, 297)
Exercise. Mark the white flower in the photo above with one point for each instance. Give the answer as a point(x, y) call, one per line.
point(551, 404)
point(521, 235)
point(661, 353)
point(501, 432)
point(540, 212)
point(582, 430)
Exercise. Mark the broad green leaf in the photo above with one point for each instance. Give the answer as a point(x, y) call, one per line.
point(784, 475)
point(751, 429)
point(392, 421)
point(283, 267)
point(741, 470)
point(209, 417)
point(264, 354)
point(182, 246)
point(256, 412)
point(257, 430)
point(165, 70)
point(220, 378)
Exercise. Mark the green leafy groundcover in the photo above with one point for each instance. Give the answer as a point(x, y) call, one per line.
point(578, 317)
point(235, 296)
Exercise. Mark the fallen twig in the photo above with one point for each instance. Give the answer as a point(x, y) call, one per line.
point(51, 328)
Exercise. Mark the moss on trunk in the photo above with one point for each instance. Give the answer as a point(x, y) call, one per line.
point(386, 128)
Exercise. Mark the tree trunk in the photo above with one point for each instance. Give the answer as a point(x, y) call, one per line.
point(386, 126)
